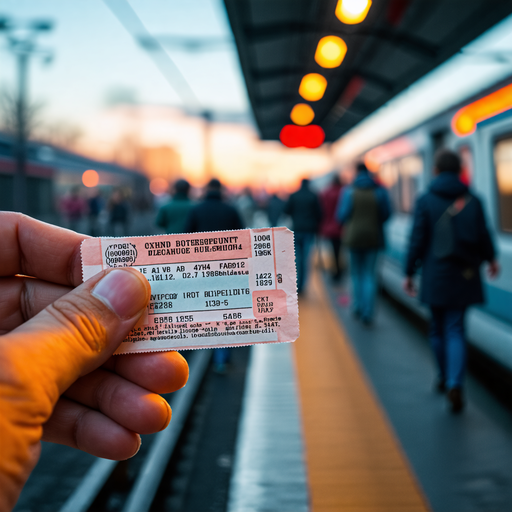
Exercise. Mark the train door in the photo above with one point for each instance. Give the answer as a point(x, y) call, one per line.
point(494, 180)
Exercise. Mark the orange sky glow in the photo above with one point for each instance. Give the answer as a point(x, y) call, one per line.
point(166, 143)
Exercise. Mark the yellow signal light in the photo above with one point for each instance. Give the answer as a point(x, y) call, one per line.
point(312, 87)
point(302, 114)
point(330, 51)
point(352, 12)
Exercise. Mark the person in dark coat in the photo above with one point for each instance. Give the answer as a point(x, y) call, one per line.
point(363, 209)
point(330, 228)
point(449, 241)
point(214, 214)
point(275, 207)
point(173, 215)
point(304, 208)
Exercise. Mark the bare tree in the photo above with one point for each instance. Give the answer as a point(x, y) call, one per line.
point(9, 114)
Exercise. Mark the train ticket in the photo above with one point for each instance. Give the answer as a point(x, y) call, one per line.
point(211, 289)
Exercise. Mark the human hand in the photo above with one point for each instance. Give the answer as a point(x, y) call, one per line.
point(409, 287)
point(58, 381)
point(493, 269)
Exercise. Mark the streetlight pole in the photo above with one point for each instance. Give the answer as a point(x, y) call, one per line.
point(22, 46)
point(20, 177)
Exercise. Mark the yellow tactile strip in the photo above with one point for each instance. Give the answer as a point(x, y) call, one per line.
point(354, 462)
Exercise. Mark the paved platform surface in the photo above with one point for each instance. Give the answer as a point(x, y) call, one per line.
point(463, 462)
point(354, 460)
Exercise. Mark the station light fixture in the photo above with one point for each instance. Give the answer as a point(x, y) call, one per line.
point(312, 87)
point(330, 51)
point(302, 114)
point(352, 12)
point(293, 136)
point(465, 120)
point(90, 178)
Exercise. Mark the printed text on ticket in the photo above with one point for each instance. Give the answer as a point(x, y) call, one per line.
point(213, 289)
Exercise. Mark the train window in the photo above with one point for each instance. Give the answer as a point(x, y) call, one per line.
point(503, 165)
point(401, 177)
point(411, 168)
point(466, 156)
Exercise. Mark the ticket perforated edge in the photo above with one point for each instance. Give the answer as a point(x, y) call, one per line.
point(208, 290)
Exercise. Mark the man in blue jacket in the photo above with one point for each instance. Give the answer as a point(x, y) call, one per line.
point(449, 240)
point(362, 209)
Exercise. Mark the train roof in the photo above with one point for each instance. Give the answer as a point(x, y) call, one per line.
point(52, 156)
point(399, 42)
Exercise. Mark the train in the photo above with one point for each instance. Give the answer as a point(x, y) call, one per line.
point(479, 129)
point(52, 172)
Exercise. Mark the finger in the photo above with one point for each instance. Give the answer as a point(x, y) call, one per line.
point(160, 372)
point(77, 426)
point(22, 298)
point(132, 406)
point(75, 334)
point(34, 248)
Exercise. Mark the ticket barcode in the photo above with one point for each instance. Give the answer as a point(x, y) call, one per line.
point(212, 289)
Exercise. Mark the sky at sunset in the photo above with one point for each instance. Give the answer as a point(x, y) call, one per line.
point(105, 86)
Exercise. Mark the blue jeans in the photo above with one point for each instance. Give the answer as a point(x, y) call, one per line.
point(364, 282)
point(447, 340)
point(303, 244)
point(221, 356)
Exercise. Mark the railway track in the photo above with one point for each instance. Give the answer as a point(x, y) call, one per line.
point(107, 484)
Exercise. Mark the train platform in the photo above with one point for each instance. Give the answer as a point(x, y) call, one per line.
point(346, 419)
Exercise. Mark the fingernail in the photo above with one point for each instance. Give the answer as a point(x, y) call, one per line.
point(123, 291)
point(169, 413)
point(140, 444)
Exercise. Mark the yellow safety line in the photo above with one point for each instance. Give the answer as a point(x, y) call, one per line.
point(354, 461)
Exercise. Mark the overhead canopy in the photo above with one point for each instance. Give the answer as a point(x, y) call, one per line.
point(399, 42)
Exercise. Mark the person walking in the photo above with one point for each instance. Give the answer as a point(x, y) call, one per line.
point(275, 207)
point(305, 211)
point(330, 228)
point(362, 210)
point(450, 241)
point(173, 215)
point(214, 214)
point(118, 213)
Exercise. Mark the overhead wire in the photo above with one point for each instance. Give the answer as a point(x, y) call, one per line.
point(129, 19)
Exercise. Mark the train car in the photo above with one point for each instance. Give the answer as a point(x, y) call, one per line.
point(52, 172)
point(480, 130)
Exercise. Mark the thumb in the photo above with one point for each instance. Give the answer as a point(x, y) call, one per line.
point(42, 358)
point(78, 332)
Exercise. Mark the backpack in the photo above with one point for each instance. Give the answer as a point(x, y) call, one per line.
point(447, 240)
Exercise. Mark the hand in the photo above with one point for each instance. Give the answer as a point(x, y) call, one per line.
point(494, 269)
point(58, 381)
point(409, 287)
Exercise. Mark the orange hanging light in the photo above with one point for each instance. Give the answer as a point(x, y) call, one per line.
point(302, 114)
point(330, 51)
point(312, 87)
point(352, 12)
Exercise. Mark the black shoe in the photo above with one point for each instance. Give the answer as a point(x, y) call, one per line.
point(455, 399)
point(440, 386)
point(367, 322)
